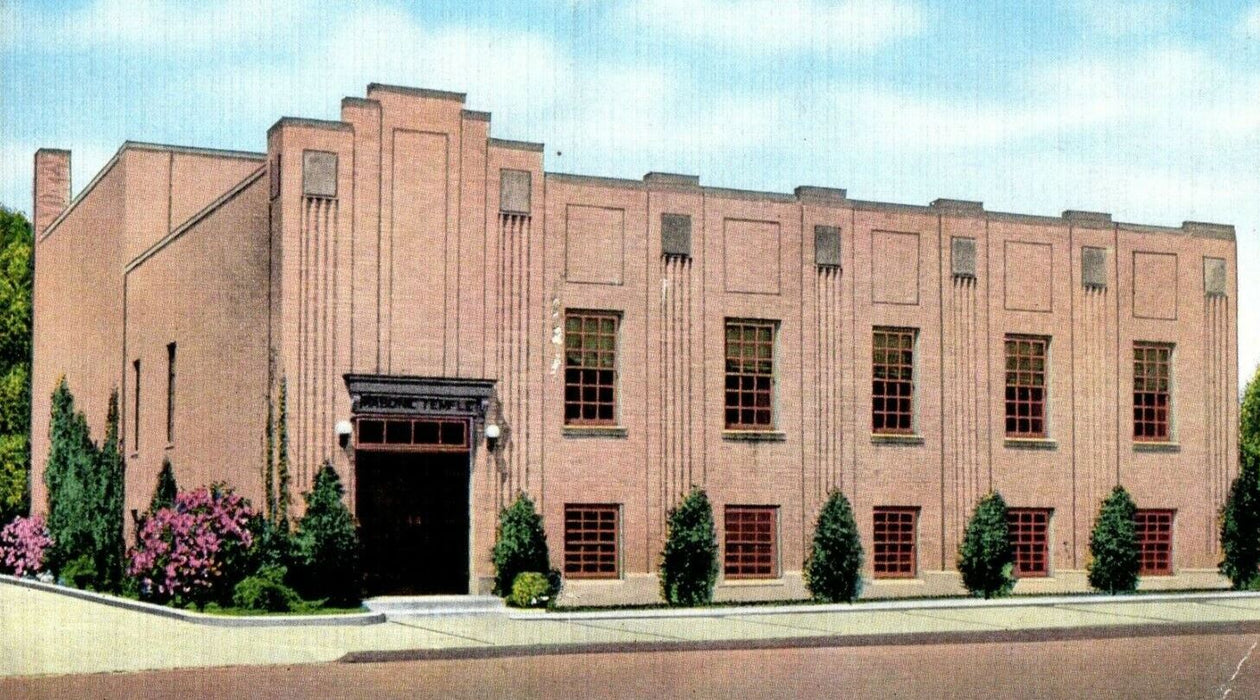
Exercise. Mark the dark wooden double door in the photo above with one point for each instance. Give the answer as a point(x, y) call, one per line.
point(413, 517)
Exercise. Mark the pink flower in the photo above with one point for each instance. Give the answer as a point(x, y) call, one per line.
point(22, 546)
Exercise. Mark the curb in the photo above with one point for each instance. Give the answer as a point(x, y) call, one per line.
point(199, 618)
point(876, 606)
point(1126, 631)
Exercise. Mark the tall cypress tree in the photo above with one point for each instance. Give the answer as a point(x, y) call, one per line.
point(689, 564)
point(1113, 545)
point(72, 461)
point(985, 557)
point(833, 571)
point(166, 490)
point(108, 511)
point(1240, 515)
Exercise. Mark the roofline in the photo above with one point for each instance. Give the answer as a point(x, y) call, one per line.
point(418, 92)
point(516, 145)
point(328, 124)
point(141, 146)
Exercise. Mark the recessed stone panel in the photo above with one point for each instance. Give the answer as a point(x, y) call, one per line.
point(963, 257)
point(594, 244)
point(827, 246)
point(1215, 280)
point(1155, 285)
point(514, 191)
point(1094, 267)
point(751, 256)
point(894, 267)
point(676, 235)
point(319, 174)
point(1028, 275)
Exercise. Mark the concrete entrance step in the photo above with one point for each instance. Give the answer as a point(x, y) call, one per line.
point(425, 605)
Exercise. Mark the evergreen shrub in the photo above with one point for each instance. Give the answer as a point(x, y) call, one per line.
point(689, 562)
point(531, 589)
point(1113, 545)
point(166, 490)
point(326, 545)
point(833, 570)
point(1240, 523)
point(520, 545)
point(985, 557)
point(266, 591)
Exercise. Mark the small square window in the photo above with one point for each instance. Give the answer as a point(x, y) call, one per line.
point(894, 537)
point(1030, 538)
point(1155, 537)
point(751, 534)
point(591, 540)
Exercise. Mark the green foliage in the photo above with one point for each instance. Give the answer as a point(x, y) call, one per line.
point(326, 546)
point(530, 589)
point(1249, 415)
point(833, 570)
point(166, 490)
point(282, 496)
point(689, 562)
point(269, 466)
point(985, 557)
point(1240, 523)
point(1113, 545)
point(16, 282)
point(85, 492)
point(80, 572)
point(520, 545)
point(266, 591)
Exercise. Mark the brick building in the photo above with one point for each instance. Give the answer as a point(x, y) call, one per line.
point(420, 286)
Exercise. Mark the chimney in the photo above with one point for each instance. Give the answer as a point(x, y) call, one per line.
point(52, 187)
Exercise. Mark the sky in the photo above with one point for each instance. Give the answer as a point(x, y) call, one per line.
point(1148, 110)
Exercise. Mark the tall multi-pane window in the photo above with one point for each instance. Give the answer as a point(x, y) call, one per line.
point(1030, 538)
point(1154, 534)
point(590, 368)
point(170, 393)
point(135, 422)
point(894, 539)
point(1152, 383)
point(750, 375)
point(590, 540)
point(1026, 387)
point(751, 532)
point(892, 385)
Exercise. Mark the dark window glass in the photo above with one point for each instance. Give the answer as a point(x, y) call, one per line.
point(750, 541)
point(894, 539)
point(590, 368)
point(1026, 387)
point(1030, 538)
point(892, 385)
point(750, 375)
point(1154, 533)
point(1152, 379)
point(590, 541)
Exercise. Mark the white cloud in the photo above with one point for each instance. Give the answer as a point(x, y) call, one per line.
point(1249, 25)
point(767, 26)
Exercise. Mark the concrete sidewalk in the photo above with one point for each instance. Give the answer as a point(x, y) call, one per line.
point(47, 633)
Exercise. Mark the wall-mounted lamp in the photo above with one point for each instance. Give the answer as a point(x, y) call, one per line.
point(344, 431)
point(492, 436)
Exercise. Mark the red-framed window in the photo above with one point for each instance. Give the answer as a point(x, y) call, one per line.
point(1026, 386)
point(412, 434)
point(892, 385)
point(749, 375)
point(590, 367)
point(591, 535)
point(1030, 538)
point(1152, 383)
point(1154, 535)
point(751, 538)
point(895, 534)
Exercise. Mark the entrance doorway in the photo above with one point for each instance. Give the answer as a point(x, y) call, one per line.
point(413, 515)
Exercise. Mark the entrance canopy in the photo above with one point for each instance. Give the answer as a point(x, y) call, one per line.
point(430, 396)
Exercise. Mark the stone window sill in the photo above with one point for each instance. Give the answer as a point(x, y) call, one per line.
point(752, 582)
point(896, 439)
point(754, 435)
point(595, 431)
point(1031, 443)
point(1156, 447)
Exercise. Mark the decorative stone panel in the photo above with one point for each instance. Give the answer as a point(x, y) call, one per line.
point(963, 257)
point(1094, 267)
point(827, 246)
point(514, 191)
point(676, 235)
point(319, 174)
point(1155, 285)
point(1214, 277)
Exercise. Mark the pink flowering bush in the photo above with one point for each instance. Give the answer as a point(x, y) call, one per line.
point(192, 551)
point(22, 546)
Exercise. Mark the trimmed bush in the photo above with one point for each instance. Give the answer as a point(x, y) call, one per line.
point(326, 546)
point(166, 490)
point(985, 557)
point(23, 543)
point(520, 545)
point(1240, 523)
point(531, 589)
point(833, 571)
point(265, 591)
point(689, 562)
point(79, 572)
point(1113, 545)
point(196, 551)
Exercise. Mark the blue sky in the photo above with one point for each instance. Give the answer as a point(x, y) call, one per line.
point(1149, 110)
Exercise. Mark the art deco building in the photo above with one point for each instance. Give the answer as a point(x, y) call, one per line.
point(419, 286)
